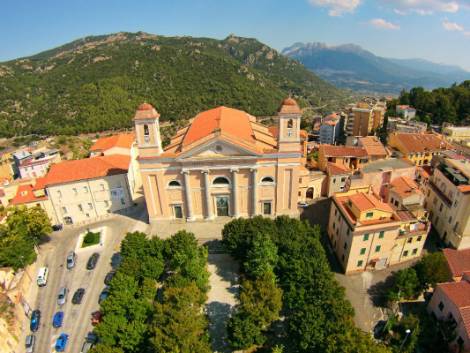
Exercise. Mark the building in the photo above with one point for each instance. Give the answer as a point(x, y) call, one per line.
point(418, 148)
point(457, 134)
point(36, 164)
point(448, 201)
point(367, 233)
point(349, 157)
point(365, 117)
point(458, 262)
point(87, 189)
point(408, 126)
point(406, 111)
point(338, 179)
point(223, 164)
point(330, 129)
point(374, 148)
point(451, 302)
point(115, 144)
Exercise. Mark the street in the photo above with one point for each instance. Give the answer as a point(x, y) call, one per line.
point(77, 318)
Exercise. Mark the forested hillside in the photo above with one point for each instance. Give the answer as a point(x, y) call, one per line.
point(96, 83)
point(441, 105)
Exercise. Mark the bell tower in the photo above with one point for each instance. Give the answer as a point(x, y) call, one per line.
point(147, 130)
point(289, 126)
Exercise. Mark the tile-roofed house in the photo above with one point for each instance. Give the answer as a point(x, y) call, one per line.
point(115, 144)
point(404, 186)
point(374, 148)
point(451, 301)
point(350, 157)
point(25, 195)
point(458, 261)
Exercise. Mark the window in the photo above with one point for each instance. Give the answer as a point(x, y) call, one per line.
point(415, 251)
point(334, 180)
point(334, 225)
point(381, 234)
point(336, 211)
point(102, 187)
point(343, 180)
point(59, 193)
point(359, 263)
point(174, 184)
point(419, 238)
point(342, 258)
point(377, 248)
point(64, 209)
point(80, 208)
point(123, 202)
point(409, 240)
point(146, 130)
point(267, 180)
point(345, 245)
point(220, 181)
point(369, 214)
point(363, 251)
point(90, 206)
point(178, 211)
point(365, 237)
point(267, 208)
point(450, 219)
point(75, 191)
point(106, 203)
point(405, 253)
point(290, 124)
point(441, 207)
point(441, 306)
point(85, 189)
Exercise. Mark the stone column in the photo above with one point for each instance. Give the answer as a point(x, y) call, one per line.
point(187, 194)
point(234, 193)
point(207, 195)
point(254, 189)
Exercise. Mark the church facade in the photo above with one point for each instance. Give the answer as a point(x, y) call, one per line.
point(222, 164)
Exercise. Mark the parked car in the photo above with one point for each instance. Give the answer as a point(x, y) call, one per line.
point(61, 342)
point(104, 294)
point(71, 257)
point(92, 337)
point(96, 317)
point(58, 319)
point(78, 296)
point(62, 297)
point(109, 277)
point(29, 343)
point(86, 346)
point(91, 264)
point(35, 320)
point(57, 227)
point(41, 279)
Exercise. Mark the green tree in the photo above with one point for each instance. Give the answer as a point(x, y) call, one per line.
point(406, 285)
point(244, 332)
point(31, 223)
point(261, 257)
point(432, 269)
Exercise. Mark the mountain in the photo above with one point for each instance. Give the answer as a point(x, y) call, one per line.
point(96, 83)
point(350, 66)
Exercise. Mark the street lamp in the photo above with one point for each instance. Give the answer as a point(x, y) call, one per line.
point(408, 331)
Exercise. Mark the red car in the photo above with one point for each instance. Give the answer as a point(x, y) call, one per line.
point(96, 317)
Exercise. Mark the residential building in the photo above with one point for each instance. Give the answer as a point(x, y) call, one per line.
point(418, 148)
point(114, 144)
point(457, 134)
point(330, 129)
point(458, 262)
point(406, 111)
point(374, 148)
point(365, 117)
point(87, 189)
point(367, 233)
point(310, 184)
point(408, 126)
point(338, 179)
point(223, 164)
point(35, 164)
point(448, 201)
point(451, 303)
point(349, 157)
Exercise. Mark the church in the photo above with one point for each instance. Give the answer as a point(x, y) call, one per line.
point(223, 164)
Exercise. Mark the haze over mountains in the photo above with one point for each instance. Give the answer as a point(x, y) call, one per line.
point(350, 66)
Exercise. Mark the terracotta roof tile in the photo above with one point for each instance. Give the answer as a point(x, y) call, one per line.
point(289, 106)
point(373, 146)
point(342, 151)
point(25, 195)
point(421, 142)
point(88, 168)
point(365, 202)
point(146, 111)
point(458, 261)
point(108, 142)
point(405, 186)
point(459, 294)
point(337, 169)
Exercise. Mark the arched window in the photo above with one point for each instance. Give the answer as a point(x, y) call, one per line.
point(146, 130)
point(290, 124)
point(220, 181)
point(267, 180)
point(174, 184)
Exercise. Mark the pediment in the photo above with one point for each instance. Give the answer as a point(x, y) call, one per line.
point(217, 149)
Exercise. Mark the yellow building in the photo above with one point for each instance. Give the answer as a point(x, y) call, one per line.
point(459, 134)
point(418, 148)
point(367, 233)
point(364, 117)
point(223, 164)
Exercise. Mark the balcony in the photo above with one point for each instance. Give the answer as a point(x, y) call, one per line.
point(439, 193)
point(419, 228)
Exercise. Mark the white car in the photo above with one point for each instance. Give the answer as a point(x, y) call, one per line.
point(29, 343)
point(62, 297)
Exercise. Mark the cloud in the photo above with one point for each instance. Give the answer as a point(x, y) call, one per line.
point(337, 7)
point(426, 7)
point(383, 24)
point(452, 26)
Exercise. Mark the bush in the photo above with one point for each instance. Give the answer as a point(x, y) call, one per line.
point(91, 238)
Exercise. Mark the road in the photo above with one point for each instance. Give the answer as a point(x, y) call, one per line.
point(77, 318)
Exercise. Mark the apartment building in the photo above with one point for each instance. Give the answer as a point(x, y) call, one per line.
point(349, 157)
point(367, 233)
point(406, 111)
point(418, 148)
point(448, 201)
point(458, 262)
point(408, 126)
point(365, 117)
point(457, 134)
point(330, 129)
point(34, 164)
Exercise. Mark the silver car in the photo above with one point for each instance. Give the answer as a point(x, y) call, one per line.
point(29, 343)
point(71, 257)
point(62, 297)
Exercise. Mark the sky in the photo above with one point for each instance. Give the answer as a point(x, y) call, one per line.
point(437, 30)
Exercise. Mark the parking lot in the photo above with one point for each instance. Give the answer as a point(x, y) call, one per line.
point(77, 317)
